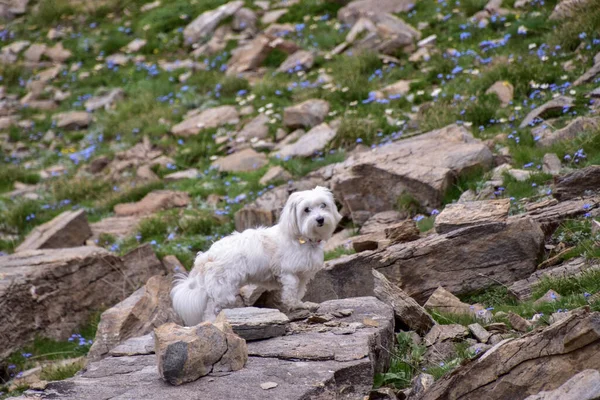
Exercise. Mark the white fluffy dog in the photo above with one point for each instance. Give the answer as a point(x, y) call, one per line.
point(284, 257)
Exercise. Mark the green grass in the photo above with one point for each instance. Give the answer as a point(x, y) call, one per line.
point(406, 358)
point(52, 11)
point(471, 179)
point(338, 252)
point(587, 282)
point(9, 174)
point(444, 318)
point(59, 373)
point(585, 19)
point(356, 130)
point(426, 224)
point(490, 297)
point(45, 350)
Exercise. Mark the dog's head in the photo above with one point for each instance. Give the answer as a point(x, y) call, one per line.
point(310, 214)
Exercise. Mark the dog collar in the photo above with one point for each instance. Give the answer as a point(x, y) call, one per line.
point(302, 240)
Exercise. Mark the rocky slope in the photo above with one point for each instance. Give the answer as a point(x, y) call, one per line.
point(460, 140)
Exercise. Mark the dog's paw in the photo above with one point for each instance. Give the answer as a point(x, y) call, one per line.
point(310, 306)
point(306, 305)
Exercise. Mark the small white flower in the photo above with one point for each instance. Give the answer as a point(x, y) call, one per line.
point(532, 46)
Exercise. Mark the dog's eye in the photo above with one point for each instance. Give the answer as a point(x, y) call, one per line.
point(323, 205)
point(307, 210)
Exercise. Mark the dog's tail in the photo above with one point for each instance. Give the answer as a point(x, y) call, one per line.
point(189, 298)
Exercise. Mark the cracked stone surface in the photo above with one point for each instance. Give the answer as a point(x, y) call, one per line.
point(311, 361)
point(517, 368)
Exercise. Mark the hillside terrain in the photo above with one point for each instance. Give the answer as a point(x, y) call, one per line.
point(461, 140)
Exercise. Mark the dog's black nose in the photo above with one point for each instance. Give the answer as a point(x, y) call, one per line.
point(320, 221)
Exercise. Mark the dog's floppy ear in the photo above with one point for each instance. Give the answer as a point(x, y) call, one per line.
point(289, 219)
point(331, 204)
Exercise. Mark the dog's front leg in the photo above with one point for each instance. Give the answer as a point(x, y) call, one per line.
point(290, 287)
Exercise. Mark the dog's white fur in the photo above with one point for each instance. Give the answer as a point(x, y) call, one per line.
point(284, 257)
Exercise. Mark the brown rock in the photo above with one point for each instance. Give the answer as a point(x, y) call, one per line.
point(575, 128)
point(556, 104)
point(445, 302)
point(69, 229)
point(187, 353)
point(252, 323)
point(241, 161)
point(257, 128)
point(524, 366)
point(172, 264)
point(52, 292)
point(519, 323)
point(35, 52)
point(244, 20)
point(368, 242)
point(250, 56)
point(442, 333)
point(504, 90)
point(408, 312)
point(311, 143)
point(210, 118)
point(58, 53)
point(154, 201)
point(549, 297)
point(205, 24)
point(399, 88)
point(583, 386)
point(404, 231)
point(191, 173)
point(104, 100)
point(479, 332)
point(575, 267)
point(551, 164)
point(311, 362)
point(306, 114)
point(588, 76)
point(302, 59)
point(461, 215)
point(423, 167)
point(378, 222)
point(147, 308)
point(461, 260)
point(119, 227)
point(73, 120)
point(566, 9)
point(146, 174)
point(272, 16)
point(355, 9)
point(580, 182)
point(275, 174)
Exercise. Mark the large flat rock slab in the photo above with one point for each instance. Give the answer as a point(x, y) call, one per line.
point(344, 369)
point(539, 361)
point(462, 261)
point(461, 215)
point(52, 292)
point(423, 167)
point(252, 323)
point(69, 229)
